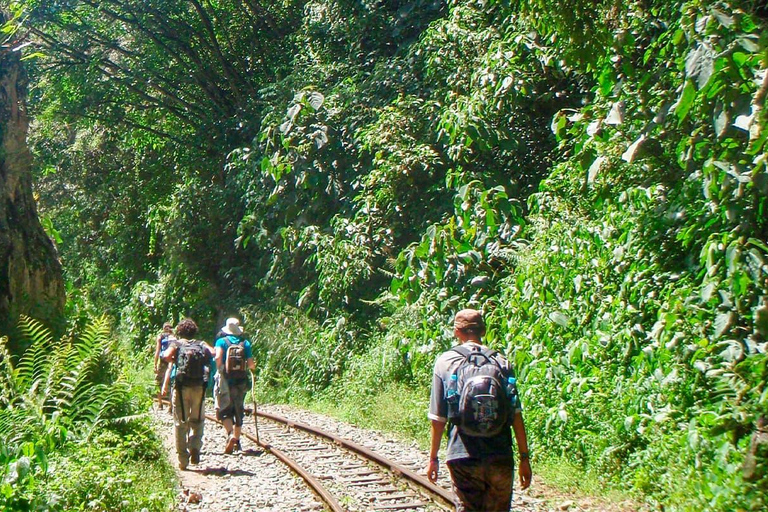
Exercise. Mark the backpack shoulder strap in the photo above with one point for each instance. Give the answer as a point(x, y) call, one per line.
point(229, 342)
point(492, 356)
point(487, 353)
point(462, 351)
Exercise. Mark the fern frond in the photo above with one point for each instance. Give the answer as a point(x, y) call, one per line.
point(79, 363)
point(58, 381)
point(35, 362)
point(18, 424)
point(8, 386)
point(106, 404)
point(95, 338)
point(55, 388)
point(131, 417)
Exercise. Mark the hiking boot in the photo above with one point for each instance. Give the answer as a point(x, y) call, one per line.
point(183, 466)
point(238, 447)
point(230, 446)
point(194, 456)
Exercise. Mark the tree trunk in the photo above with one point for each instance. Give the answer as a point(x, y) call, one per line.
point(31, 280)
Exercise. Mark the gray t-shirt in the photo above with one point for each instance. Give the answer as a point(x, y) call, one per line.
point(460, 445)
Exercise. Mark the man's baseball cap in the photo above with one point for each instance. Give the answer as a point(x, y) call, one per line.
point(469, 319)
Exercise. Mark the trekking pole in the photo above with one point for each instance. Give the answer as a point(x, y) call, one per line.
point(255, 412)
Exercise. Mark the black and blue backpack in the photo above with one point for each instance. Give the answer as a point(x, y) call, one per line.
point(485, 394)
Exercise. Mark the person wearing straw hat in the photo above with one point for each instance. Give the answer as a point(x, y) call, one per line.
point(234, 357)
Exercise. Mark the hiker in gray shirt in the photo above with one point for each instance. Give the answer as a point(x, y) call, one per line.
point(475, 394)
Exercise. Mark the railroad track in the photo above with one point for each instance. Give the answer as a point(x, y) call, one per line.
point(365, 479)
point(346, 476)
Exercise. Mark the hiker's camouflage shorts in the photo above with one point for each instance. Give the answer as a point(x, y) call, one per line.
point(482, 486)
point(236, 409)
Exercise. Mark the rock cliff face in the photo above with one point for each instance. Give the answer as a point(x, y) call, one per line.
point(31, 280)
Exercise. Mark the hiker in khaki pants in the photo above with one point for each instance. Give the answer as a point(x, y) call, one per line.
point(191, 360)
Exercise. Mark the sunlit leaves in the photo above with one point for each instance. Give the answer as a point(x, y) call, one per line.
point(685, 101)
point(476, 240)
point(631, 297)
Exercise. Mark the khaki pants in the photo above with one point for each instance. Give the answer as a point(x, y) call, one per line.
point(160, 374)
point(188, 418)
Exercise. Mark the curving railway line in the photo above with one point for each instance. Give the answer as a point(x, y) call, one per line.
point(364, 479)
point(346, 476)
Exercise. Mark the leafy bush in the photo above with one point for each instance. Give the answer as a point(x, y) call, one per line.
point(72, 437)
point(22, 469)
point(633, 301)
point(111, 473)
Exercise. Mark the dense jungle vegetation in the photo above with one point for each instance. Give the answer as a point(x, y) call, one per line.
point(347, 174)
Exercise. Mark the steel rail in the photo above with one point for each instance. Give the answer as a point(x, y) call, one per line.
point(445, 495)
point(313, 482)
point(317, 487)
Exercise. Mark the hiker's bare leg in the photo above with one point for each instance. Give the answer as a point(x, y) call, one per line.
point(227, 422)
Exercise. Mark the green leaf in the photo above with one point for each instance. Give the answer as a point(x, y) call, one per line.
point(707, 292)
point(699, 64)
point(685, 102)
point(723, 322)
point(761, 319)
point(758, 243)
point(558, 124)
point(594, 169)
point(606, 81)
point(315, 100)
point(740, 58)
point(631, 152)
point(559, 318)
point(35, 55)
point(724, 19)
point(720, 121)
point(749, 45)
point(616, 115)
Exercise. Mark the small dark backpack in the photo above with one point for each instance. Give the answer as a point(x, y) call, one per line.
point(235, 367)
point(192, 364)
point(481, 406)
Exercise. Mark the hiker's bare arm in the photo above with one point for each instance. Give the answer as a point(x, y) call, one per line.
point(436, 433)
point(251, 364)
point(166, 380)
point(219, 359)
point(522, 447)
point(157, 352)
point(169, 354)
